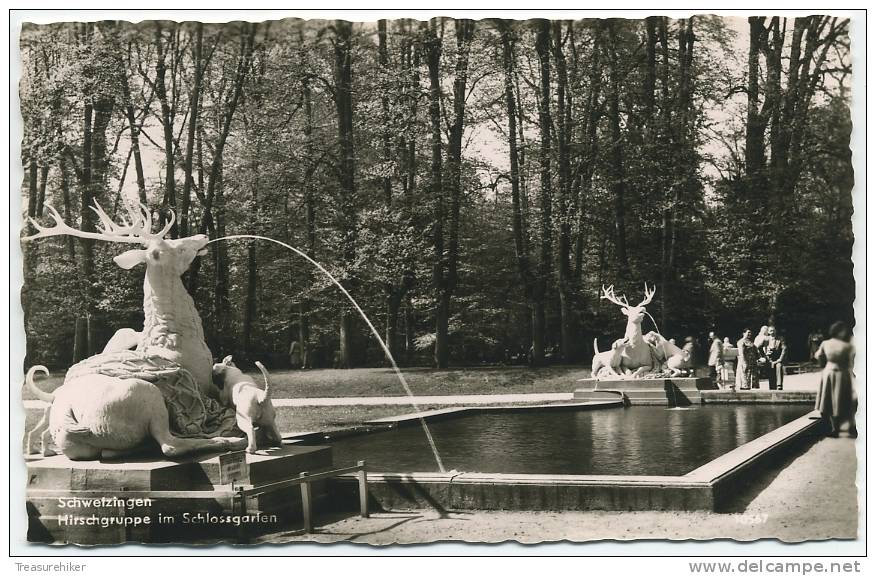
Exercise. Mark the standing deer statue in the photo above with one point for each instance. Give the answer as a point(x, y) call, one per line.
point(637, 355)
point(112, 403)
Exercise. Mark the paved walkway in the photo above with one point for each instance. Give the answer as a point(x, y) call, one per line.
point(801, 382)
point(810, 497)
point(466, 399)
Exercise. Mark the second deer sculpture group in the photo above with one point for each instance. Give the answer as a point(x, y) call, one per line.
point(636, 356)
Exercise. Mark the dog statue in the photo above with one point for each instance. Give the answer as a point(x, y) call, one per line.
point(606, 364)
point(252, 404)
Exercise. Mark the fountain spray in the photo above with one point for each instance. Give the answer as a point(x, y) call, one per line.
point(374, 331)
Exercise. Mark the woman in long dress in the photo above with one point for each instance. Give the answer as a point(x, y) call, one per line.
point(836, 399)
point(746, 369)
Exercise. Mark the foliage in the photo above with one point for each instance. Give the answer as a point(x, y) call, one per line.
point(657, 188)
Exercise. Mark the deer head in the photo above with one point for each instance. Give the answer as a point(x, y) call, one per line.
point(634, 314)
point(160, 255)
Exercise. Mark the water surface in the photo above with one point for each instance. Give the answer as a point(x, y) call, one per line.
point(641, 440)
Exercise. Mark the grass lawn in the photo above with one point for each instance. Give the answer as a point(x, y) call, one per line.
point(321, 418)
point(359, 382)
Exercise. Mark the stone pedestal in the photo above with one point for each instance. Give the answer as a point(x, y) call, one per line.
point(85, 502)
point(646, 391)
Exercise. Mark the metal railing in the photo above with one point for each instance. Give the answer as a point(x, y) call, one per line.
point(304, 479)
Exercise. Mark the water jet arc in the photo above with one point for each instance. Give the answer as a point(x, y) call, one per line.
point(364, 317)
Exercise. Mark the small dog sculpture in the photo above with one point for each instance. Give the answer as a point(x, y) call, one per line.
point(677, 360)
point(41, 430)
point(606, 364)
point(253, 405)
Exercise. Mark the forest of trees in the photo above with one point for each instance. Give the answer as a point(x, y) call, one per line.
point(472, 183)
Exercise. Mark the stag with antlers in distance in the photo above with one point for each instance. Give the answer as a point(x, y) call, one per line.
point(637, 356)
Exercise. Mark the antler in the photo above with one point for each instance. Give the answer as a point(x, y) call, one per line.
point(136, 230)
point(608, 294)
point(649, 294)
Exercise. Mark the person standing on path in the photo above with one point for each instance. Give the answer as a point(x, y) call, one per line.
point(746, 369)
point(760, 346)
point(774, 350)
point(836, 398)
point(716, 357)
point(815, 340)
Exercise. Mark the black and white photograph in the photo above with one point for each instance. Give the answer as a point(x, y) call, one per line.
point(381, 279)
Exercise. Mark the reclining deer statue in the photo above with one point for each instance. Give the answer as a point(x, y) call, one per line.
point(637, 356)
point(112, 403)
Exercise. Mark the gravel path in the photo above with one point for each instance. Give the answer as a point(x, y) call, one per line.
point(802, 382)
point(808, 497)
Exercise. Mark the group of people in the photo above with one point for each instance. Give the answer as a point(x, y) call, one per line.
point(763, 354)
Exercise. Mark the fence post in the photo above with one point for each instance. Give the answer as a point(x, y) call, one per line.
point(242, 532)
point(363, 489)
point(306, 504)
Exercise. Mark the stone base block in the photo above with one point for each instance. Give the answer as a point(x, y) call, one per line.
point(85, 502)
point(646, 391)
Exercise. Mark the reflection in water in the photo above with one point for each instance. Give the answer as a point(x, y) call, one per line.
point(641, 440)
point(742, 425)
point(675, 430)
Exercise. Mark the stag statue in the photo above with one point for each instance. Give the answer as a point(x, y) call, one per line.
point(637, 356)
point(112, 403)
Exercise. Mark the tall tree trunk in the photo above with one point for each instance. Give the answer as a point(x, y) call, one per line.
point(87, 225)
point(587, 163)
point(545, 231)
point(517, 223)
point(103, 113)
point(649, 86)
point(414, 85)
point(221, 289)
point(616, 157)
point(169, 200)
point(464, 35)
point(32, 192)
point(65, 197)
point(194, 105)
point(383, 61)
point(393, 305)
point(309, 224)
point(250, 310)
point(346, 173)
point(213, 219)
point(41, 196)
point(433, 61)
point(409, 328)
point(130, 115)
point(755, 127)
point(394, 290)
point(564, 206)
point(666, 213)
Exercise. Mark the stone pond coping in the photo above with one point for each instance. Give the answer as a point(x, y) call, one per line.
point(758, 396)
point(709, 487)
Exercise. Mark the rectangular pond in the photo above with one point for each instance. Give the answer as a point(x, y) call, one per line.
point(634, 441)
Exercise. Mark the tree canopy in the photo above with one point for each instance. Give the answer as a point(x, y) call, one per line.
point(472, 184)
